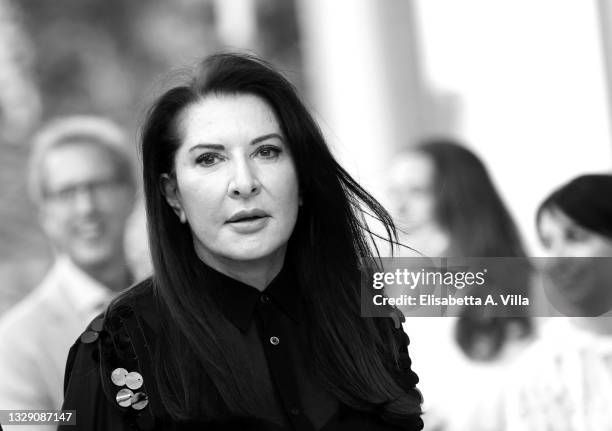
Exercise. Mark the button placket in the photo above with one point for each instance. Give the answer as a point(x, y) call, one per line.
point(272, 329)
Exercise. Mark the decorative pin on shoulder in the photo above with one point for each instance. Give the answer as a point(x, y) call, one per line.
point(93, 332)
point(125, 396)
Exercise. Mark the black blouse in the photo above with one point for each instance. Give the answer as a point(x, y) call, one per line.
point(110, 383)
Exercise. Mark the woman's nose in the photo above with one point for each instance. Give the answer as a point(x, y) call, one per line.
point(244, 182)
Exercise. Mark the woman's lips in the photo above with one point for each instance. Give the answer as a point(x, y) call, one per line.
point(249, 225)
point(247, 214)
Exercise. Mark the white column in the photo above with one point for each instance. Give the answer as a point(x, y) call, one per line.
point(357, 56)
point(236, 22)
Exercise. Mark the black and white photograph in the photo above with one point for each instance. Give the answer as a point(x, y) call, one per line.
point(310, 215)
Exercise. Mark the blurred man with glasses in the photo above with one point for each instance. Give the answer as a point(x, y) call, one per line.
point(82, 183)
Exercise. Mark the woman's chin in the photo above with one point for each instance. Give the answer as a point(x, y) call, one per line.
point(254, 253)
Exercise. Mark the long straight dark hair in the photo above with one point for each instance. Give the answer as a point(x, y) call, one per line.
point(350, 354)
point(471, 211)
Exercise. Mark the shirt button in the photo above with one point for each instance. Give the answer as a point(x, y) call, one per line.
point(295, 411)
point(274, 341)
point(264, 298)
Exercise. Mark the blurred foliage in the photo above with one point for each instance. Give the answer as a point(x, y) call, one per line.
point(104, 56)
point(100, 56)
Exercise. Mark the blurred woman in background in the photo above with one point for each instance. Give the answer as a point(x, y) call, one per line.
point(446, 205)
point(575, 222)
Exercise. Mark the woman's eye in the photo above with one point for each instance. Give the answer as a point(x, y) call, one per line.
point(268, 152)
point(208, 159)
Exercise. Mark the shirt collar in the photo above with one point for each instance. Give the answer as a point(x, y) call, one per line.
point(238, 301)
point(85, 294)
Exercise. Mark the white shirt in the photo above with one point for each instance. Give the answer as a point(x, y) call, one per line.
point(563, 382)
point(37, 333)
point(455, 388)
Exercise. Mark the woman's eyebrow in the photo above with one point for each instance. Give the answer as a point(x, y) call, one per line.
point(266, 137)
point(217, 147)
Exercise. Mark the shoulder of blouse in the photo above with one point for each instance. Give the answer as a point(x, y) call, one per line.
point(110, 380)
point(109, 377)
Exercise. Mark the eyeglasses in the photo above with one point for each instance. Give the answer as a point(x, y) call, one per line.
point(95, 189)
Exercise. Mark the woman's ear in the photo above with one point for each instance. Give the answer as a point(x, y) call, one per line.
point(171, 192)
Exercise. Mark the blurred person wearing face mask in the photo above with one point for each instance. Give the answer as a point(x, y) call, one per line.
point(575, 226)
point(81, 180)
point(564, 380)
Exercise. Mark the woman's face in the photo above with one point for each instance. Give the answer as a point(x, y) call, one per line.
point(411, 190)
point(579, 266)
point(235, 182)
point(562, 237)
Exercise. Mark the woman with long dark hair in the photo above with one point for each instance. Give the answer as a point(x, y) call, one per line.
point(251, 319)
point(446, 205)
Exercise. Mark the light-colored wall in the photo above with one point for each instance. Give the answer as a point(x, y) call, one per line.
point(530, 78)
point(361, 70)
point(521, 81)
